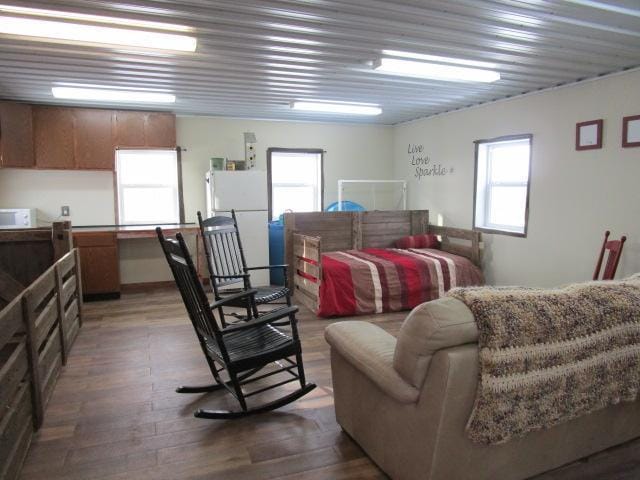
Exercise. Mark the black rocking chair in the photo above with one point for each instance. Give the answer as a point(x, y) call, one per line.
point(242, 350)
point(227, 265)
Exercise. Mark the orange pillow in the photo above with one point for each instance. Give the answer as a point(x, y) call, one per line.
point(427, 240)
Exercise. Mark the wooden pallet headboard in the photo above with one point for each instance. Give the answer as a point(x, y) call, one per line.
point(352, 230)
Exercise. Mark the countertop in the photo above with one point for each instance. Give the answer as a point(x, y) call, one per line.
point(139, 231)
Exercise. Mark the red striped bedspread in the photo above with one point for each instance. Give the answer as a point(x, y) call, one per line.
point(376, 280)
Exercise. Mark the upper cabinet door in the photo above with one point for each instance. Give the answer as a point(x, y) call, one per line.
point(160, 130)
point(16, 135)
point(94, 139)
point(129, 129)
point(54, 137)
point(70, 138)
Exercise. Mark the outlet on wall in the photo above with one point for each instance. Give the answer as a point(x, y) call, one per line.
point(64, 211)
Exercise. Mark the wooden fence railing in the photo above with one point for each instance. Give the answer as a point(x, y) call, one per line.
point(37, 330)
point(26, 253)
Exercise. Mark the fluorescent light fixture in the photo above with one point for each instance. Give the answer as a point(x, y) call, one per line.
point(438, 59)
point(93, 34)
point(112, 95)
point(40, 12)
point(348, 108)
point(436, 71)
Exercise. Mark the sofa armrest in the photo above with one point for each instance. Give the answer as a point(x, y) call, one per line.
point(430, 327)
point(370, 350)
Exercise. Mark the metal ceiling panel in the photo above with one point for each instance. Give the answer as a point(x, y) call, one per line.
point(256, 57)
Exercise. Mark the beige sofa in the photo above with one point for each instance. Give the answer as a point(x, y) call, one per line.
point(407, 401)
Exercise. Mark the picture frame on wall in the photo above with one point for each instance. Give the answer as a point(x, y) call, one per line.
point(631, 131)
point(589, 135)
point(217, 163)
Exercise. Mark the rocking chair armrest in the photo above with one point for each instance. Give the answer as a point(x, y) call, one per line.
point(227, 277)
point(269, 317)
point(231, 298)
point(284, 267)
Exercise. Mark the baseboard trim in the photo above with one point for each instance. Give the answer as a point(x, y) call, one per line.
point(146, 286)
point(98, 297)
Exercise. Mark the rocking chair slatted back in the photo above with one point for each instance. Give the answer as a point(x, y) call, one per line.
point(223, 250)
point(614, 247)
point(193, 295)
point(227, 266)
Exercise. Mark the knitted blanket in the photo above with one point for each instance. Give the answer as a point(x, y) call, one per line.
point(548, 356)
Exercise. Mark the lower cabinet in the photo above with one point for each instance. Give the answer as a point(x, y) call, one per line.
point(99, 264)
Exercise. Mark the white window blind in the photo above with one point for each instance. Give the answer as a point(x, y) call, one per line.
point(502, 184)
point(147, 186)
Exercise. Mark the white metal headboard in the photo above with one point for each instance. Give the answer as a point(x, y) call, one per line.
point(341, 184)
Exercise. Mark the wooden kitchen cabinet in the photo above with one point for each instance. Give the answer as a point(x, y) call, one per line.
point(160, 130)
point(129, 129)
point(49, 137)
point(99, 263)
point(16, 135)
point(93, 148)
point(53, 130)
point(145, 129)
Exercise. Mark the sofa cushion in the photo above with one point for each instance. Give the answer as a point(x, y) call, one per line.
point(430, 327)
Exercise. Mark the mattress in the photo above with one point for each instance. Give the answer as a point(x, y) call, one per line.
point(377, 280)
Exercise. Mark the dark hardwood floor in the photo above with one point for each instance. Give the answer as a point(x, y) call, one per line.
point(115, 415)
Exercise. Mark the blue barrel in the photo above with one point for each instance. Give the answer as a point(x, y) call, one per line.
point(276, 252)
point(347, 206)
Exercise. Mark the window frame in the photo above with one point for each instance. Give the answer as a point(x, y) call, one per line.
point(270, 151)
point(116, 187)
point(494, 230)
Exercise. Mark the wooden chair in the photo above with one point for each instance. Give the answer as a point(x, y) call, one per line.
point(614, 247)
point(227, 264)
point(241, 350)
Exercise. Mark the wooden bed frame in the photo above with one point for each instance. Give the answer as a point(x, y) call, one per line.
point(308, 235)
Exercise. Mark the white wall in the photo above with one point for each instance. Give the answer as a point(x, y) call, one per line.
point(574, 197)
point(352, 151)
point(88, 194)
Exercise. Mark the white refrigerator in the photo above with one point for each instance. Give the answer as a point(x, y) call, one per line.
point(246, 193)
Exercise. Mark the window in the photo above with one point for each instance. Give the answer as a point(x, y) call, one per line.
point(295, 180)
point(148, 186)
point(502, 184)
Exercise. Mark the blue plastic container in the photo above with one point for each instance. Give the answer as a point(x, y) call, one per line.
point(276, 251)
point(347, 206)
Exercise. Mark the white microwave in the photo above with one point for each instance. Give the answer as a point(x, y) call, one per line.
point(18, 218)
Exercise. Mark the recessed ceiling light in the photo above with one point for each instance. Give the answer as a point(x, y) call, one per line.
point(348, 108)
point(66, 30)
point(436, 71)
point(112, 95)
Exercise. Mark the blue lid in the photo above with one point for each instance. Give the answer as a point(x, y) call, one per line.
point(347, 206)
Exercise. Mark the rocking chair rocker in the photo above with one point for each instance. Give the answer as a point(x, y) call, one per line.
point(242, 350)
point(227, 264)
